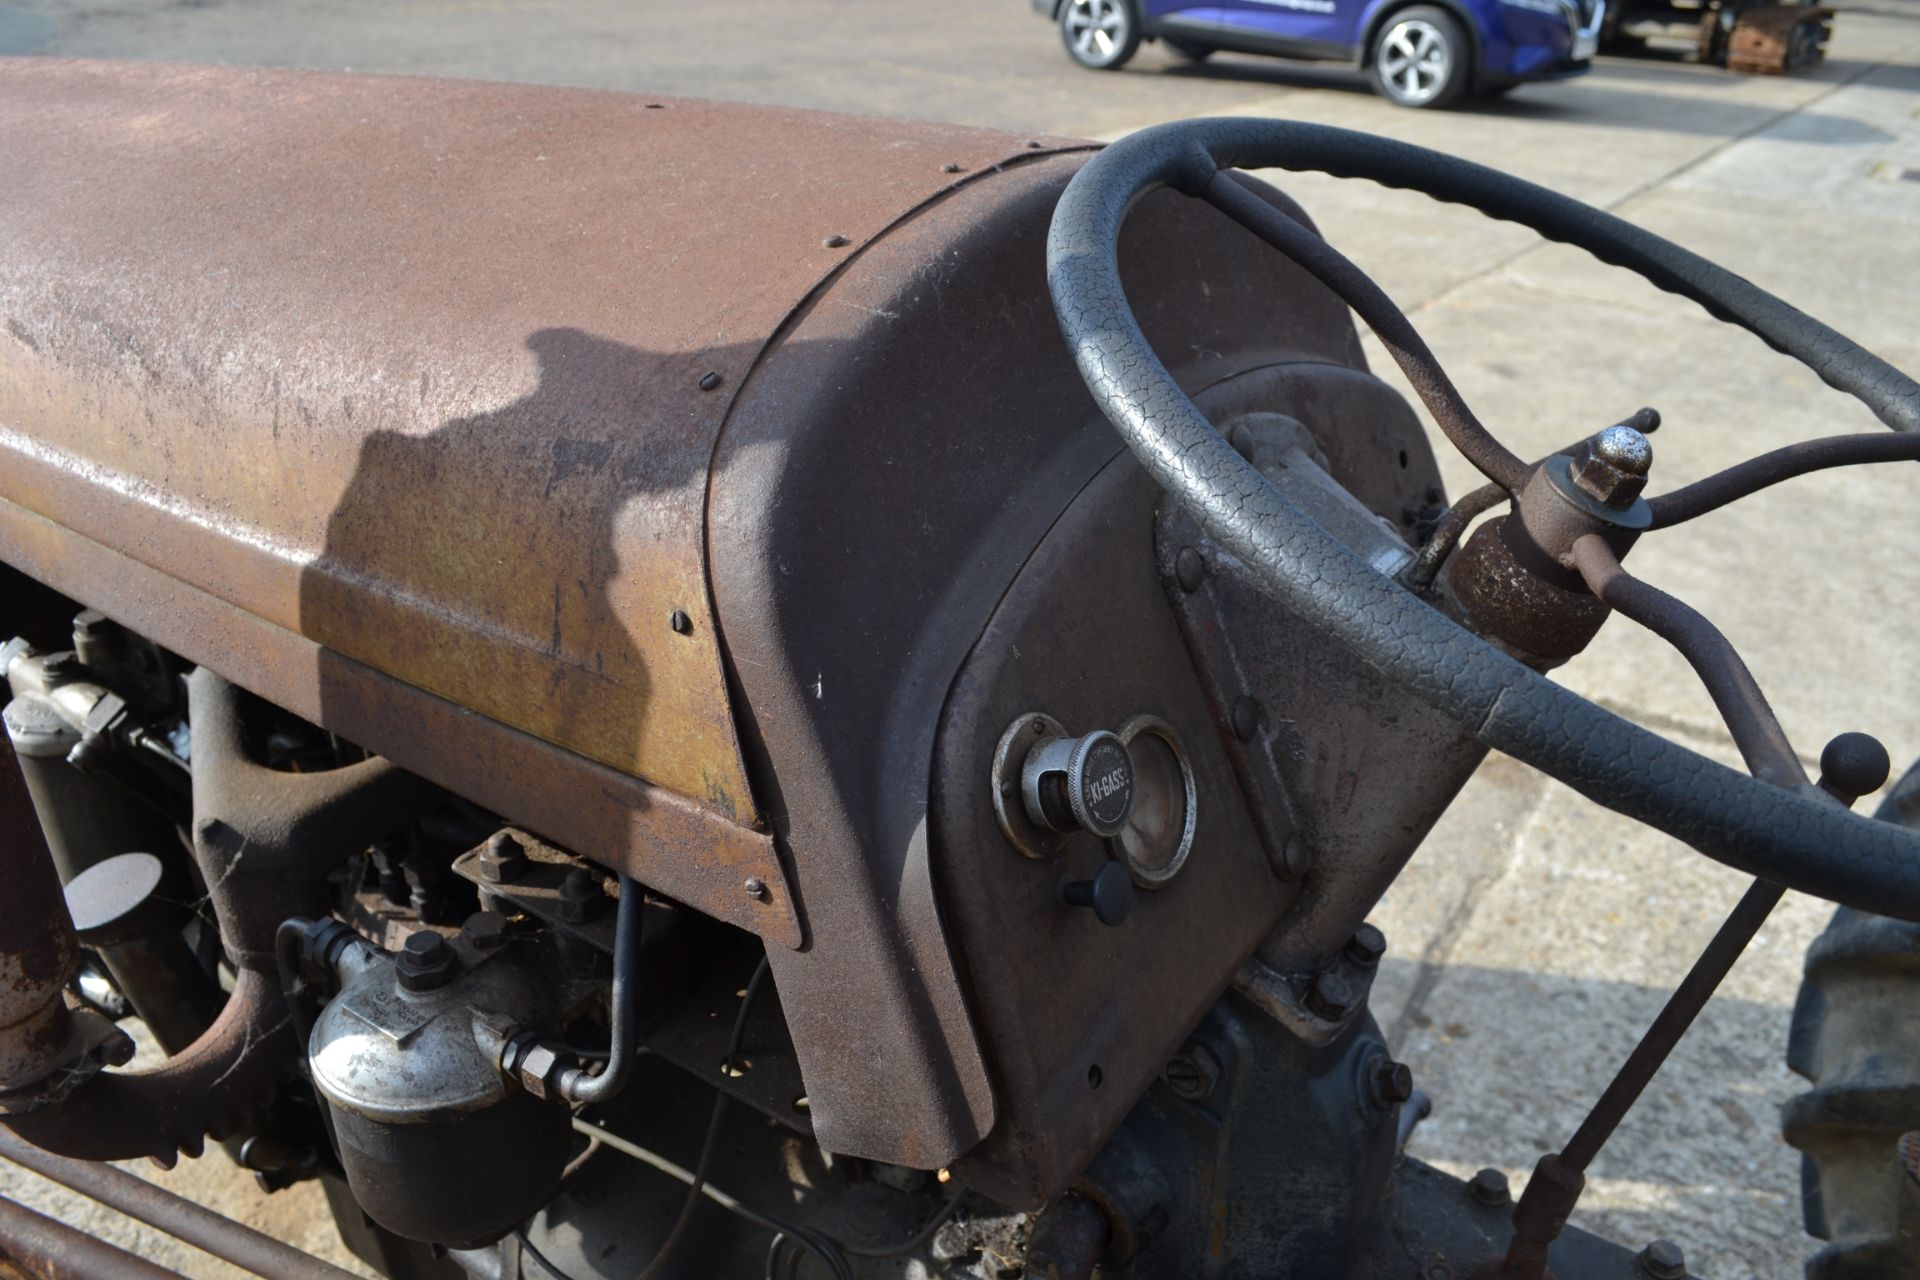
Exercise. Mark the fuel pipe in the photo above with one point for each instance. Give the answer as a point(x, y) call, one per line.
point(545, 1067)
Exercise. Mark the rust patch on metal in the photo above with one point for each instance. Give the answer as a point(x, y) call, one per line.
point(664, 840)
point(428, 373)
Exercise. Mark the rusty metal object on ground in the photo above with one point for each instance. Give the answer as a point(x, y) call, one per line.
point(1777, 38)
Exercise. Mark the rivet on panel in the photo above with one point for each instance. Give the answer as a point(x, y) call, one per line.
point(1190, 567)
point(1246, 718)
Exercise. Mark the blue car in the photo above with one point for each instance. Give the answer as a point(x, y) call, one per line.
point(1420, 53)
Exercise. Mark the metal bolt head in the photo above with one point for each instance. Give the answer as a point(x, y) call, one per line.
point(1662, 1260)
point(501, 860)
point(1367, 945)
point(582, 898)
point(1193, 1073)
point(1392, 1082)
point(682, 624)
point(1489, 1187)
point(1612, 467)
point(485, 930)
point(756, 888)
point(425, 962)
point(836, 242)
point(1327, 998)
point(710, 380)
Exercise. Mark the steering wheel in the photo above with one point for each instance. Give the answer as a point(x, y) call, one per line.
point(1775, 824)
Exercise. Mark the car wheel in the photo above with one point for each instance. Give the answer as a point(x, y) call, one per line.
point(1101, 34)
point(1188, 49)
point(1420, 58)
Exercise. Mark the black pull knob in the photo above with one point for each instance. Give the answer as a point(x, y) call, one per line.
point(1109, 894)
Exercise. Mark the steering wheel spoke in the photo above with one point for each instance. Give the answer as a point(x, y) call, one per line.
point(1776, 826)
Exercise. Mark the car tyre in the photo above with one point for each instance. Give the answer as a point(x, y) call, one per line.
point(1421, 58)
point(1191, 50)
point(1099, 34)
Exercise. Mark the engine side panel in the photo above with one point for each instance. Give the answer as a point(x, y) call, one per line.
point(889, 469)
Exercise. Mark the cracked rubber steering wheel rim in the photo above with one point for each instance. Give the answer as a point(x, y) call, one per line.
point(1797, 837)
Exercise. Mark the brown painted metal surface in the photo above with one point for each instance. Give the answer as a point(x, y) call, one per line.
point(413, 369)
point(664, 840)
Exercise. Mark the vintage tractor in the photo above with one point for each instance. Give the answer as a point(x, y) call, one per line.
point(649, 688)
point(1753, 36)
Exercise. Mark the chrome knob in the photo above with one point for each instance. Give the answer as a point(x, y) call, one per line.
point(1079, 784)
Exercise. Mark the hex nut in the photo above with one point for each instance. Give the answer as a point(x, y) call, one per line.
point(1662, 1260)
point(1612, 467)
point(1392, 1082)
point(581, 897)
point(539, 1068)
point(485, 930)
point(501, 859)
point(425, 962)
point(1489, 1187)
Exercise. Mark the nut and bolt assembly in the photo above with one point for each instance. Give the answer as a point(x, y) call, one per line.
point(425, 962)
point(1489, 1187)
point(582, 897)
point(1391, 1082)
point(501, 860)
point(1612, 467)
point(1662, 1260)
point(1194, 1073)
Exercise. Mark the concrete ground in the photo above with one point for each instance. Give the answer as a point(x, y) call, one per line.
point(1535, 935)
